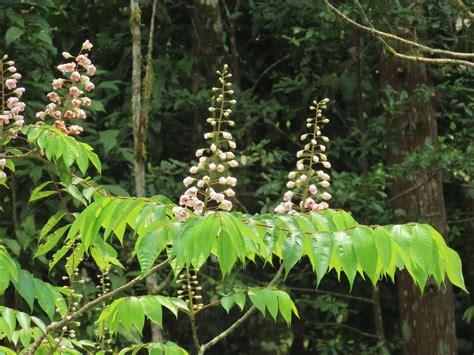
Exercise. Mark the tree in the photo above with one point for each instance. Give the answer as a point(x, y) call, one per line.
point(427, 319)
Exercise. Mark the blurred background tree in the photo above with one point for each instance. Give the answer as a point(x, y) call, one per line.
point(399, 129)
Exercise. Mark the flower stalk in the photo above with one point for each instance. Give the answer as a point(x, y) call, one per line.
point(308, 183)
point(210, 188)
point(68, 98)
point(11, 118)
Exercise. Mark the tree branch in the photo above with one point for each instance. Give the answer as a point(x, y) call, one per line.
point(69, 318)
point(464, 8)
point(380, 34)
point(239, 321)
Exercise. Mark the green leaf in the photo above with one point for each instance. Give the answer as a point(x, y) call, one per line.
point(104, 254)
point(95, 161)
point(51, 241)
point(292, 249)
point(322, 222)
point(454, 269)
point(384, 246)
point(236, 238)
point(134, 314)
point(9, 264)
point(37, 194)
point(271, 302)
point(422, 247)
point(237, 298)
point(319, 253)
point(7, 351)
point(12, 34)
point(52, 221)
point(4, 276)
point(365, 250)
point(150, 246)
point(257, 299)
point(346, 256)
point(46, 297)
point(153, 310)
point(26, 288)
point(286, 306)
point(226, 253)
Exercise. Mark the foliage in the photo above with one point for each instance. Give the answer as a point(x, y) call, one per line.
point(95, 221)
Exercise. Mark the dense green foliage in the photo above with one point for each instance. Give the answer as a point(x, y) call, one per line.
point(288, 52)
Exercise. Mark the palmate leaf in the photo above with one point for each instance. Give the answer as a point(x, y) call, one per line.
point(62, 149)
point(28, 286)
point(222, 234)
point(131, 311)
point(274, 301)
point(331, 239)
point(18, 327)
point(113, 214)
point(264, 299)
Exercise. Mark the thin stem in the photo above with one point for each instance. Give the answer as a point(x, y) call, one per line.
point(217, 132)
point(191, 313)
point(464, 8)
point(310, 165)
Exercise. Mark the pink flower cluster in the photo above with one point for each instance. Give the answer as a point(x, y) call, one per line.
point(12, 108)
point(3, 163)
point(11, 118)
point(68, 96)
point(212, 187)
point(305, 183)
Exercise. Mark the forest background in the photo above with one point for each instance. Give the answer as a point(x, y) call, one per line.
point(401, 136)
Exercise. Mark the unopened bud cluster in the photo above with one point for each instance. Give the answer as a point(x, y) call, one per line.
point(68, 99)
point(190, 290)
point(307, 184)
point(210, 186)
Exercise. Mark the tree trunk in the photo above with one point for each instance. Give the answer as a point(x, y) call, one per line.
point(467, 252)
point(138, 131)
point(427, 322)
point(140, 114)
point(208, 29)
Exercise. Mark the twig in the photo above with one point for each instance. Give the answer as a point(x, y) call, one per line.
point(239, 321)
point(212, 304)
point(18, 156)
point(464, 8)
point(415, 187)
point(465, 220)
point(69, 318)
point(421, 47)
point(361, 332)
point(270, 67)
point(336, 294)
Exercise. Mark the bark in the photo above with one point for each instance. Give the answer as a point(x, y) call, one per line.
point(364, 164)
point(467, 253)
point(207, 44)
point(427, 322)
point(138, 131)
point(140, 112)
